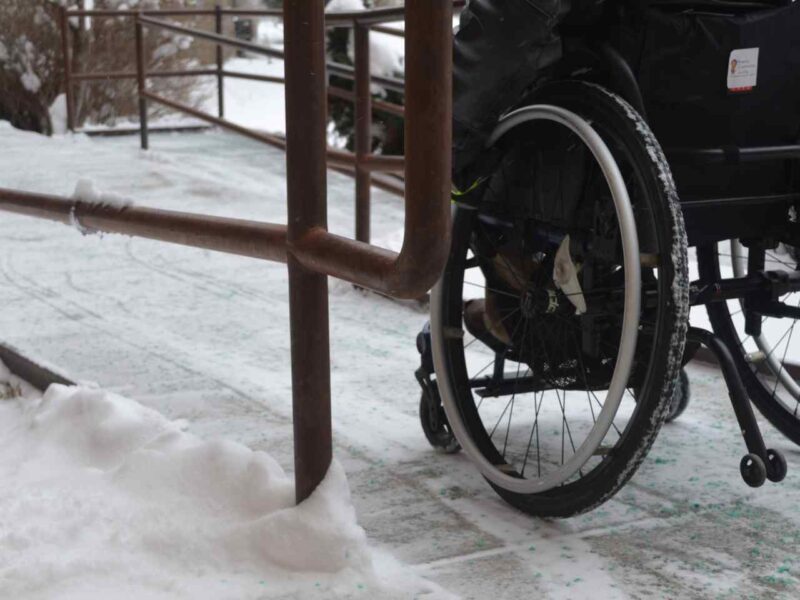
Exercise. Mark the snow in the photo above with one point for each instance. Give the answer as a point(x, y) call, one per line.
point(256, 104)
point(269, 32)
point(85, 192)
point(58, 115)
point(24, 63)
point(387, 52)
point(335, 6)
point(187, 492)
point(31, 82)
point(103, 496)
point(202, 339)
point(387, 56)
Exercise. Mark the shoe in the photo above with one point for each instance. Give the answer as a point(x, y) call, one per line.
point(482, 321)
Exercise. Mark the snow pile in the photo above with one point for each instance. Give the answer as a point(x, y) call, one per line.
point(335, 6)
point(102, 497)
point(58, 115)
point(86, 192)
point(269, 33)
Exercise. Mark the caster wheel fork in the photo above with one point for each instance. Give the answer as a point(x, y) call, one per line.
point(431, 413)
point(760, 464)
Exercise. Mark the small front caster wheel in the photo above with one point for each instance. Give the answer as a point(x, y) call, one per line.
point(680, 397)
point(776, 466)
point(434, 423)
point(753, 470)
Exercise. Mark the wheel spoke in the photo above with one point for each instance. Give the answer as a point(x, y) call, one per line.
point(600, 404)
point(537, 404)
point(783, 359)
point(783, 337)
point(513, 396)
point(493, 290)
point(499, 420)
point(563, 403)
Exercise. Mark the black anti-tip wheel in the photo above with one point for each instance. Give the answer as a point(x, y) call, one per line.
point(776, 466)
point(680, 399)
point(753, 470)
point(434, 425)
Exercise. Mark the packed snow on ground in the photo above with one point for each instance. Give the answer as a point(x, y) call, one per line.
point(203, 339)
point(101, 497)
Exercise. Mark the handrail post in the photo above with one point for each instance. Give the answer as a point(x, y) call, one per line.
point(363, 131)
point(141, 80)
point(220, 65)
point(306, 116)
point(64, 19)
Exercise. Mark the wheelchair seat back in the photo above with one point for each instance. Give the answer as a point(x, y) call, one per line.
point(717, 74)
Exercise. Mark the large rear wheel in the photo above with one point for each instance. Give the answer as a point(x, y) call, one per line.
point(577, 253)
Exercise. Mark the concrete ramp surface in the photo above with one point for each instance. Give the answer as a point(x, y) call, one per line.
point(203, 338)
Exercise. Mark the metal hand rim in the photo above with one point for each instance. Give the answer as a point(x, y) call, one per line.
point(630, 325)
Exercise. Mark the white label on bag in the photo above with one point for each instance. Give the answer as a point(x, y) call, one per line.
point(743, 70)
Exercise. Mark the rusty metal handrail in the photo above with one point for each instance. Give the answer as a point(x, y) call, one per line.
point(340, 20)
point(174, 12)
point(412, 272)
point(305, 244)
point(333, 19)
point(266, 138)
point(266, 241)
point(367, 170)
point(362, 164)
point(112, 75)
point(211, 37)
point(332, 67)
point(336, 158)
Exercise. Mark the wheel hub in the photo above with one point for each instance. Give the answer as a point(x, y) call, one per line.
point(539, 302)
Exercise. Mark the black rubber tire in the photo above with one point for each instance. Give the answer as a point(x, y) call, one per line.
point(680, 401)
point(627, 135)
point(776, 466)
point(439, 436)
point(753, 470)
point(781, 417)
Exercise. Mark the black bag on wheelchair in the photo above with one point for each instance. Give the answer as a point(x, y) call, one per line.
point(719, 75)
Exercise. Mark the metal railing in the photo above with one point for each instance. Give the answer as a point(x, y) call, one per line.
point(311, 252)
point(367, 168)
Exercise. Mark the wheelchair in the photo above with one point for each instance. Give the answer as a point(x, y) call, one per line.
point(560, 327)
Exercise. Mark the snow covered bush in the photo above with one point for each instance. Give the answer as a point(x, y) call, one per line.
point(110, 46)
point(31, 69)
point(30, 72)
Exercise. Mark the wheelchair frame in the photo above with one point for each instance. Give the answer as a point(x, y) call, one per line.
point(760, 219)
